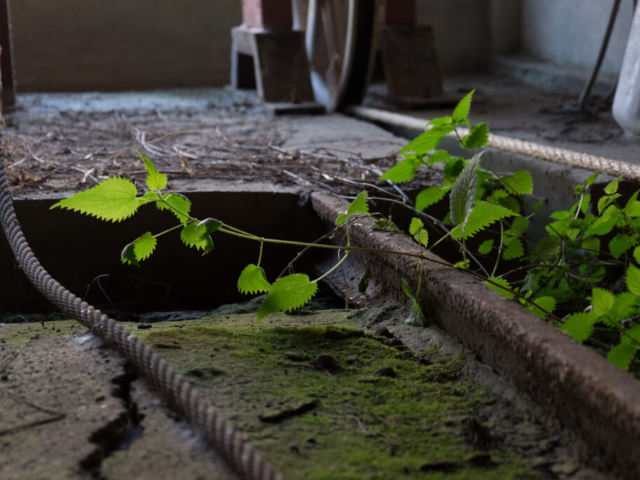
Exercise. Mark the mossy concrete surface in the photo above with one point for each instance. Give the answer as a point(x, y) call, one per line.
point(318, 397)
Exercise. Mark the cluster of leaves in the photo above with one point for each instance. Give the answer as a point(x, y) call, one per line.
point(117, 199)
point(564, 270)
point(563, 267)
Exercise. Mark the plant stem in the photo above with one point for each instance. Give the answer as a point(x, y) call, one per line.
point(260, 255)
point(328, 272)
point(495, 266)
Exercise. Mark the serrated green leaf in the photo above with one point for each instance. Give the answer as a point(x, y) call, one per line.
point(155, 179)
point(602, 301)
point(514, 249)
point(545, 302)
point(438, 156)
point(439, 122)
point(359, 205)
point(548, 246)
point(632, 336)
point(623, 306)
point(403, 171)
point(636, 254)
point(430, 196)
point(579, 326)
point(501, 281)
point(477, 137)
point(341, 219)
point(426, 141)
point(144, 246)
point(253, 280)
point(210, 225)
point(586, 201)
point(486, 247)
point(463, 192)
point(620, 244)
point(539, 204)
point(128, 255)
point(415, 226)
point(633, 279)
point(633, 209)
point(519, 226)
point(482, 215)
point(288, 293)
point(422, 237)
point(591, 179)
point(520, 183)
point(194, 236)
point(453, 168)
point(621, 355)
point(592, 244)
point(112, 200)
point(181, 206)
point(612, 187)
point(461, 112)
point(604, 203)
point(603, 225)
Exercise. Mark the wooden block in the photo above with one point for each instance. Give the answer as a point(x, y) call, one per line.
point(410, 61)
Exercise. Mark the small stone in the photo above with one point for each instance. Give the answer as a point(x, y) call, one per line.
point(385, 371)
point(392, 342)
point(144, 326)
point(326, 362)
point(296, 356)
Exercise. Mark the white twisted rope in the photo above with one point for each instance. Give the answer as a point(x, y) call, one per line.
point(543, 152)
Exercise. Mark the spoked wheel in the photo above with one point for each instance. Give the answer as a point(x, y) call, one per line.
point(341, 65)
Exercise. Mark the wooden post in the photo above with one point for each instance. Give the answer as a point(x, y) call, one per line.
point(267, 54)
point(409, 58)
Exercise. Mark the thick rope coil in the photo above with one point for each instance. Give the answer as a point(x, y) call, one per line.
point(221, 434)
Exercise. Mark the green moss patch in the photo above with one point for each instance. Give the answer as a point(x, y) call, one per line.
point(328, 402)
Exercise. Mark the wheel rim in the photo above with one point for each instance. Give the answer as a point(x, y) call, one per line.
point(349, 48)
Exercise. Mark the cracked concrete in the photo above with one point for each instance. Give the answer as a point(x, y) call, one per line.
point(69, 408)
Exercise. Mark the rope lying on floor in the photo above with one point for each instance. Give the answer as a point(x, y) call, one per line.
point(531, 149)
point(223, 436)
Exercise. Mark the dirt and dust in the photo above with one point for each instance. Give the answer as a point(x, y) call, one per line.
point(66, 142)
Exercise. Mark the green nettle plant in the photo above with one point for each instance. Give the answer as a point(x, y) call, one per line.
point(565, 272)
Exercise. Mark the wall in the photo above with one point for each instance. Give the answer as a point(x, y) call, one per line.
point(462, 34)
point(80, 45)
point(569, 32)
point(66, 45)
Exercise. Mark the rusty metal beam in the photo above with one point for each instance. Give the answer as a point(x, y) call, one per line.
point(6, 58)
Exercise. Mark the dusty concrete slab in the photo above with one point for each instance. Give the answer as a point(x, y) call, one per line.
point(518, 110)
point(377, 410)
point(70, 409)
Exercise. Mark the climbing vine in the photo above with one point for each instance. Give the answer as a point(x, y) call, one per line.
point(565, 278)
